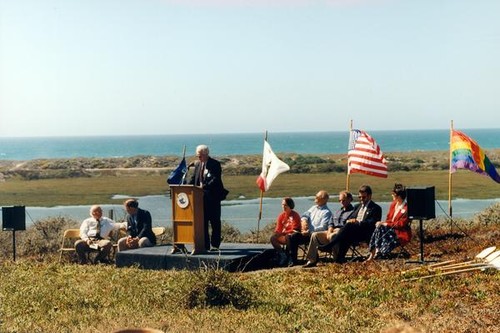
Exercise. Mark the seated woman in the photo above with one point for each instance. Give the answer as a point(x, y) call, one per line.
point(286, 223)
point(395, 230)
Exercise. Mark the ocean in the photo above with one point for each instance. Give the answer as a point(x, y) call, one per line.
point(28, 148)
point(242, 214)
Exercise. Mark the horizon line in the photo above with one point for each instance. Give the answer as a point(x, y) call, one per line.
point(233, 133)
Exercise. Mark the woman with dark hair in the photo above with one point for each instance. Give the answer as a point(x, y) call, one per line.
point(395, 230)
point(286, 223)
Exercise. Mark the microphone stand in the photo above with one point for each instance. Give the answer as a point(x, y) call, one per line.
point(185, 173)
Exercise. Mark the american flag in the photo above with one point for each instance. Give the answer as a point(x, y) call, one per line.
point(365, 156)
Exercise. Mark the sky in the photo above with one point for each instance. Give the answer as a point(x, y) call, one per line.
point(137, 67)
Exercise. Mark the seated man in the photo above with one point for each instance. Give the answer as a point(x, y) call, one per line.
point(95, 232)
point(139, 227)
point(323, 237)
point(315, 219)
point(359, 226)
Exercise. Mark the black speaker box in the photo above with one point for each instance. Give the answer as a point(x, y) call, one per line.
point(421, 205)
point(14, 218)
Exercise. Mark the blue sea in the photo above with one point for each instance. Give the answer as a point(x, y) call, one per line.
point(241, 213)
point(230, 144)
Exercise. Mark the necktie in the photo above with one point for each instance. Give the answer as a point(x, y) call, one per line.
point(361, 213)
point(202, 169)
point(133, 224)
point(98, 229)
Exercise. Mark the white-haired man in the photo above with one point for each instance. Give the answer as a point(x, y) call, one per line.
point(95, 232)
point(208, 175)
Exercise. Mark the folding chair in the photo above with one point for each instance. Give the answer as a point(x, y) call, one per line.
point(356, 254)
point(158, 231)
point(302, 248)
point(403, 251)
point(325, 255)
point(68, 242)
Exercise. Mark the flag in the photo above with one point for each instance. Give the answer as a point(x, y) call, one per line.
point(272, 166)
point(177, 175)
point(466, 154)
point(364, 155)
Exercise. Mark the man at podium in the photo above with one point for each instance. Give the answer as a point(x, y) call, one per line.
point(208, 175)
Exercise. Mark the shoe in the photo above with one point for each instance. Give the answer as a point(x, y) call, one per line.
point(370, 258)
point(290, 262)
point(102, 261)
point(179, 249)
point(309, 264)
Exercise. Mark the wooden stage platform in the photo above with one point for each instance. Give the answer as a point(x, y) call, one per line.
point(231, 257)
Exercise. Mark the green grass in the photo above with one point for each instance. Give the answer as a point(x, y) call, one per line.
point(350, 298)
point(101, 188)
point(39, 294)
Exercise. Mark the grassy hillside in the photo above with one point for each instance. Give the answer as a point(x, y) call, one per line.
point(38, 294)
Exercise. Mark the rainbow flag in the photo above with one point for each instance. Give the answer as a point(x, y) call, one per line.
point(466, 154)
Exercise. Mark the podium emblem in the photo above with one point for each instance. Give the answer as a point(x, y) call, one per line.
point(182, 200)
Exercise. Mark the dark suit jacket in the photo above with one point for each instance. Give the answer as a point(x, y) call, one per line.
point(213, 187)
point(373, 214)
point(144, 225)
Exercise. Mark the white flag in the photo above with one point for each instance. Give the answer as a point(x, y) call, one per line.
point(272, 166)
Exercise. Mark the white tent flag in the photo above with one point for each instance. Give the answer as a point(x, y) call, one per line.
point(272, 166)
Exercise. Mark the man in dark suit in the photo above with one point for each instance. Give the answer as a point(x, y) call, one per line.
point(359, 226)
point(208, 175)
point(139, 227)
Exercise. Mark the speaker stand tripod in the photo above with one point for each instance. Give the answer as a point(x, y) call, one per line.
point(13, 241)
point(421, 236)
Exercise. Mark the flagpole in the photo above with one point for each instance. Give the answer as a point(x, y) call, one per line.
point(260, 203)
point(187, 169)
point(450, 209)
point(348, 177)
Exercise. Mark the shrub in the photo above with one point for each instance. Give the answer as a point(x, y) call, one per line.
point(212, 287)
point(44, 238)
point(264, 236)
point(230, 234)
point(490, 216)
point(41, 240)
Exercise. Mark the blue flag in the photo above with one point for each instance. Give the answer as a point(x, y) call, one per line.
point(177, 175)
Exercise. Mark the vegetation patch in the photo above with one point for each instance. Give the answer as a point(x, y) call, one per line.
point(213, 287)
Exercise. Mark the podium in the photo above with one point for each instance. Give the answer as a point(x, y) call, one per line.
point(187, 218)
